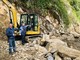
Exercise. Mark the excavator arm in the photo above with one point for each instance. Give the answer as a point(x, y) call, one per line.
point(13, 10)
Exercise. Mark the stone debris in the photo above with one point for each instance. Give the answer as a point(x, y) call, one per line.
point(49, 56)
point(57, 57)
point(54, 49)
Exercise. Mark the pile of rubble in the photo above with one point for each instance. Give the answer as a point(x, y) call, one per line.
point(45, 48)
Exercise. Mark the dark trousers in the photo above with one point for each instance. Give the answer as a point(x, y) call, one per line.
point(23, 39)
point(12, 47)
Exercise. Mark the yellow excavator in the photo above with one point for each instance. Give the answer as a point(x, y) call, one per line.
point(29, 19)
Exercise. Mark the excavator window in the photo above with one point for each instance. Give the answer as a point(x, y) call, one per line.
point(33, 21)
point(23, 18)
point(30, 19)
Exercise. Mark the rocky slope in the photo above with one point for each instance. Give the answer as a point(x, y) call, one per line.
point(56, 43)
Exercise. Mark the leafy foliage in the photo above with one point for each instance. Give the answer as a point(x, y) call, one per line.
point(44, 6)
point(60, 7)
point(76, 7)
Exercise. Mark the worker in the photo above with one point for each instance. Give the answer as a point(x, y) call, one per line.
point(11, 38)
point(23, 33)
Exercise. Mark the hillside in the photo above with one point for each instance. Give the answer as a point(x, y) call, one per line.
point(59, 24)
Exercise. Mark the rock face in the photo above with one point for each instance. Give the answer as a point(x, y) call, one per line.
point(4, 20)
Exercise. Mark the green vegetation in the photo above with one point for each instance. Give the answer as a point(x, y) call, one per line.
point(60, 7)
point(43, 7)
point(76, 7)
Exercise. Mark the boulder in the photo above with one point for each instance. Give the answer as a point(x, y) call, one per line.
point(62, 47)
point(57, 57)
point(78, 58)
point(67, 58)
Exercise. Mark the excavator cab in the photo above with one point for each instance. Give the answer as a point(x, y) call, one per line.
point(32, 20)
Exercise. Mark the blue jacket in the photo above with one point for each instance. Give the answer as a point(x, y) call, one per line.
point(9, 33)
point(23, 30)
